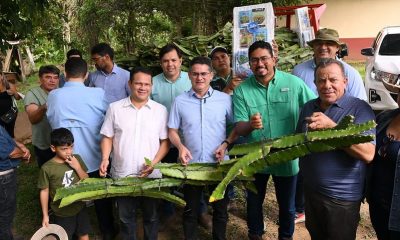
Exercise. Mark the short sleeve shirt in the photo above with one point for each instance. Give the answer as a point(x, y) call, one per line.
point(279, 105)
point(136, 134)
point(336, 174)
point(165, 91)
point(54, 175)
point(41, 130)
point(7, 145)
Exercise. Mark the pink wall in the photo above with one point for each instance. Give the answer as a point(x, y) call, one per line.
point(355, 45)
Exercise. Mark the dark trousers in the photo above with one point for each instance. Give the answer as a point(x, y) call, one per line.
point(127, 207)
point(192, 196)
point(43, 156)
point(299, 199)
point(8, 203)
point(104, 213)
point(330, 219)
point(379, 211)
point(285, 188)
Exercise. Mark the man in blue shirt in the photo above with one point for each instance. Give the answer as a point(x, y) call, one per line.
point(81, 110)
point(11, 152)
point(110, 77)
point(334, 180)
point(201, 115)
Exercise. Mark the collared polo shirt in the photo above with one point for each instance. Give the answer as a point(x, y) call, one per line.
point(202, 122)
point(80, 109)
point(114, 84)
point(165, 91)
point(336, 174)
point(41, 130)
point(279, 105)
point(136, 134)
point(219, 83)
point(355, 84)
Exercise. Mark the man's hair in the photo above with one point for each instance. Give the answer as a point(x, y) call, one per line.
point(139, 69)
point(168, 48)
point(48, 69)
point(103, 49)
point(260, 44)
point(61, 137)
point(201, 60)
point(325, 62)
point(75, 68)
point(74, 52)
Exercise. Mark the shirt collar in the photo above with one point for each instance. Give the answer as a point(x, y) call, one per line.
point(207, 95)
point(167, 80)
point(113, 71)
point(273, 81)
point(127, 103)
point(215, 78)
point(75, 84)
point(341, 103)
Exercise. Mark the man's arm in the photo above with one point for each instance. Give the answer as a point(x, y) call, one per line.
point(106, 146)
point(44, 202)
point(233, 83)
point(162, 151)
point(35, 113)
point(245, 128)
point(184, 154)
point(20, 151)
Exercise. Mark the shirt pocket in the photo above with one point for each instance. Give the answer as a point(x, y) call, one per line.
point(281, 106)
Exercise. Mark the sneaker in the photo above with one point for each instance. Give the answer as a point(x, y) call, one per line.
point(299, 218)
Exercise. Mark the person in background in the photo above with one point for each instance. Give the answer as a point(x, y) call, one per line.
point(71, 54)
point(8, 96)
point(334, 180)
point(325, 45)
point(110, 77)
point(11, 152)
point(36, 106)
point(267, 105)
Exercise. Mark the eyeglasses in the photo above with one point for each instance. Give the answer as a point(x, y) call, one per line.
point(202, 74)
point(382, 151)
point(261, 59)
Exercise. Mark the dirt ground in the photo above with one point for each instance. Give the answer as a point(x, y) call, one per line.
point(237, 228)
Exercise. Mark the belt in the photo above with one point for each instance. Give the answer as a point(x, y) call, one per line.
point(5, 172)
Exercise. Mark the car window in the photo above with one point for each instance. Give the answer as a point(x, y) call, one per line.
point(390, 45)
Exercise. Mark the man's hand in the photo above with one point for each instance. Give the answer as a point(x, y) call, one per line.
point(318, 121)
point(103, 167)
point(45, 221)
point(256, 121)
point(146, 170)
point(184, 155)
point(220, 152)
point(233, 83)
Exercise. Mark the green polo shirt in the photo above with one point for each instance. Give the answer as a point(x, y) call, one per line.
point(279, 105)
point(164, 91)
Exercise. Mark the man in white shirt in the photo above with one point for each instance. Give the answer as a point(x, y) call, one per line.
point(135, 128)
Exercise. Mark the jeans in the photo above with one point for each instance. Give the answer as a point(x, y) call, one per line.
point(43, 156)
point(192, 196)
point(127, 215)
point(104, 213)
point(299, 199)
point(8, 203)
point(285, 188)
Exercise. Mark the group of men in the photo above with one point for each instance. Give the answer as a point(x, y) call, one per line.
point(180, 116)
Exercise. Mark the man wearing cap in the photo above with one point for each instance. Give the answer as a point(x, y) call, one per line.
point(334, 180)
point(267, 105)
point(223, 80)
point(326, 45)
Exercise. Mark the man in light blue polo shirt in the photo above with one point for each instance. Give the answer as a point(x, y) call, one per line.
point(81, 110)
point(110, 77)
point(201, 115)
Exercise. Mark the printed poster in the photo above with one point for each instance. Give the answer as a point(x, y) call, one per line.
point(305, 31)
point(250, 23)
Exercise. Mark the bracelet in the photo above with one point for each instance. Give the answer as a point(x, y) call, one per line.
point(227, 142)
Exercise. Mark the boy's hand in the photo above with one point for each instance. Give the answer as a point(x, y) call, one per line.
point(45, 221)
point(73, 162)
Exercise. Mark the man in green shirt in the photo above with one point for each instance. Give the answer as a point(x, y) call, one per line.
point(267, 105)
point(35, 102)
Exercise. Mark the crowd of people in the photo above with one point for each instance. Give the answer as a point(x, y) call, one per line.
point(105, 123)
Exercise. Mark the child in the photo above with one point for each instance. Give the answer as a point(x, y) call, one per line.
point(63, 170)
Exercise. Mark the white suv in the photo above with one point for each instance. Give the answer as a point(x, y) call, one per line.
point(383, 66)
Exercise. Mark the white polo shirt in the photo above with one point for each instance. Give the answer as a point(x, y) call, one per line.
point(136, 134)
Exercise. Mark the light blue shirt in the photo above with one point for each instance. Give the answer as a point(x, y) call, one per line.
point(114, 84)
point(202, 122)
point(81, 110)
point(165, 91)
point(355, 84)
